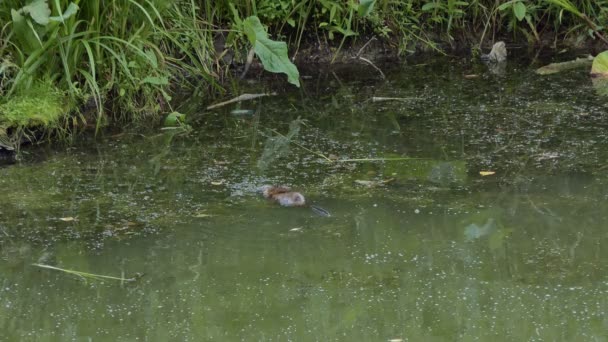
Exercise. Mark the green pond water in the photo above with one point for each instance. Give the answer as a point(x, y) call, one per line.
point(418, 249)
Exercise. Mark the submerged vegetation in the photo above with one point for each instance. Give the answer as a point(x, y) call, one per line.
point(120, 60)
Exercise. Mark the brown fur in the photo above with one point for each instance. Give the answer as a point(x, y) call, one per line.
point(284, 196)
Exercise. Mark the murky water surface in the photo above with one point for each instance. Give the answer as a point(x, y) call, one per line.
point(418, 249)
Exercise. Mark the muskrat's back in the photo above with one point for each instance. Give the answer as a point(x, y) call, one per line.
point(283, 195)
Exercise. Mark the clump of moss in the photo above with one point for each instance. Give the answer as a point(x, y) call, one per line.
point(43, 106)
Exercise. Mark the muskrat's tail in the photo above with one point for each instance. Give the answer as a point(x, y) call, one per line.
point(320, 211)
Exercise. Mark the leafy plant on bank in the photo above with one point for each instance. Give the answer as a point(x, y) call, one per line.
point(125, 51)
point(518, 11)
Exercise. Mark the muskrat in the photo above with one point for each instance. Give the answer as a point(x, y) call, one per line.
point(497, 55)
point(287, 198)
point(283, 195)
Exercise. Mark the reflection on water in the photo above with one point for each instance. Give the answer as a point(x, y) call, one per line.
point(419, 249)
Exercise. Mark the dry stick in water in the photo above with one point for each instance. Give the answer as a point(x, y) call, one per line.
point(244, 97)
point(373, 65)
point(381, 99)
point(85, 275)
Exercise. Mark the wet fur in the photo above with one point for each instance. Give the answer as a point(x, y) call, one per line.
point(497, 55)
point(284, 196)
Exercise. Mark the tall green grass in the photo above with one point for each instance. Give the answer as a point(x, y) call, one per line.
point(120, 55)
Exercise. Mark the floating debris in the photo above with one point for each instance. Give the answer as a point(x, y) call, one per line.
point(242, 112)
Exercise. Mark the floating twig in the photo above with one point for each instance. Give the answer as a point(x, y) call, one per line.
point(376, 159)
point(373, 65)
point(358, 56)
point(364, 46)
point(86, 276)
point(244, 97)
point(380, 99)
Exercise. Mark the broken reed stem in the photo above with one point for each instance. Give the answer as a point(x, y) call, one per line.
point(376, 159)
point(364, 46)
point(373, 65)
point(244, 97)
point(85, 275)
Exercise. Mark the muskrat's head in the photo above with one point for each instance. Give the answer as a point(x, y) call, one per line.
point(497, 55)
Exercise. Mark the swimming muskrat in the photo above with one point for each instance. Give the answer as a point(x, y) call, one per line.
point(287, 198)
point(283, 195)
point(497, 55)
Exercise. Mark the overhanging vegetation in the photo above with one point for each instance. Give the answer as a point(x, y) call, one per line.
point(123, 56)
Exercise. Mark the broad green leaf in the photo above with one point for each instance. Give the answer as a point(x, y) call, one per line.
point(70, 11)
point(520, 10)
point(39, 11)
point(366, 7)
point(600, 65)
point(272, 54)
point(599, 73)
point(24, 34)
point(174, 119)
